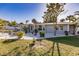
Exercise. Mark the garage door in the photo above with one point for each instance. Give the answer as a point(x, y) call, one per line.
point(49, 29)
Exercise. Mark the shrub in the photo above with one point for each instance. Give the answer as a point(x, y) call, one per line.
point(20, 34)
point(78, 32)
point(42, 34)
point(66, 32)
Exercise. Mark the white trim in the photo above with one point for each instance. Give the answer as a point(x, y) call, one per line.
point(63, 23)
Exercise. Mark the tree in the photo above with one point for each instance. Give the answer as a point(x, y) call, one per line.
point(27, 21)
point(76, 15)
point(34, 21)
point(13, 23)
point(53, 11)
point(62, 20)
point(76, 12)
point(3, 24)
point(71, 18)
point(21, 23)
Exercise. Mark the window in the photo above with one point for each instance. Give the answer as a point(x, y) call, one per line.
point(56, 28)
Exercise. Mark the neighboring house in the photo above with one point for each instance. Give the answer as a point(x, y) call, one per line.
point(11, 28)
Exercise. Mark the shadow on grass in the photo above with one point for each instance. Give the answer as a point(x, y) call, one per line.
point(52, 49)
point(10, 40)
point(30, 48)
point(15, 51)
point(9, 53)
point(69, 40)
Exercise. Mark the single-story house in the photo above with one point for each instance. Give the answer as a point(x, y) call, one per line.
point(59, 27)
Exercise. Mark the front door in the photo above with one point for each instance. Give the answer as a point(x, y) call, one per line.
point(72, 29)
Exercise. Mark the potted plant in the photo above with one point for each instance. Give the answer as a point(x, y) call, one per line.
point(77, 32)
point(42, 33)
point(66, 32)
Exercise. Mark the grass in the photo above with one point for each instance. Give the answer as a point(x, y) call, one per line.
point(60, 46)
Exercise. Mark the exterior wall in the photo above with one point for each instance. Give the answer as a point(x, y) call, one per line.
point(50, 29)
point(61, 30)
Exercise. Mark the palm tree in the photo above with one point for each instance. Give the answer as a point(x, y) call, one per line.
point(53, 11)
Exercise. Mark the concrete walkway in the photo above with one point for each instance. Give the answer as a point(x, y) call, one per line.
point(47, 35)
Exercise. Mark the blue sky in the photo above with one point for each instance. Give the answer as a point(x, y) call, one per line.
point(69, 9)
point(21, 12)
point(27, 11)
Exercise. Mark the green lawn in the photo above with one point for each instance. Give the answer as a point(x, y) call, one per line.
point(60, 46)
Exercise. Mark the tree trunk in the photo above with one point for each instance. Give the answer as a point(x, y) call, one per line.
point(55, 27)
point(55, 30)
